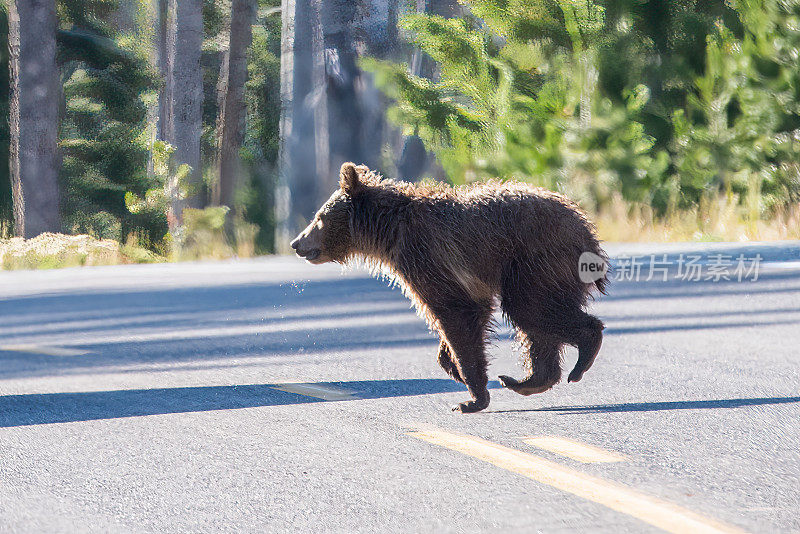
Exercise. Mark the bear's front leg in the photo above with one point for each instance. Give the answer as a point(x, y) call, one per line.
point(463, 329)
point(446, 362)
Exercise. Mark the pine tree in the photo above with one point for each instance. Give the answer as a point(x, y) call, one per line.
point(104, 133)
point(33, 117)
point(664, 102)
point(231, 114)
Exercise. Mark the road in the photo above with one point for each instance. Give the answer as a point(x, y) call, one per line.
point(273, 396)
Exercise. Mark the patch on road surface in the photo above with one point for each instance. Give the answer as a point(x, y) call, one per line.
point(575, 450)
point(329, 393)
point(46, 350)
point(660, 514)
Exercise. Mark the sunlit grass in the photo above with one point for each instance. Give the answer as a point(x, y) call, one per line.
point(203, 237)
point(720, 220)
point(54, 251)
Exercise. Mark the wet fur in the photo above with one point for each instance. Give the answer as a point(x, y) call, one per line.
point(457, 251)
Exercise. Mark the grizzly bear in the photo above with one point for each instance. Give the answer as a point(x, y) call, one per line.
point(457, 251)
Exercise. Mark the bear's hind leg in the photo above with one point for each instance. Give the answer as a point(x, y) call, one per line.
point(462, 326)
point(575, 327)
point(539, 308)
point(544, 364)
point(446, 362)
point(521, 303)
point(588, 339)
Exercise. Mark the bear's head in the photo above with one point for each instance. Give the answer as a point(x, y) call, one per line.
point(328, 237)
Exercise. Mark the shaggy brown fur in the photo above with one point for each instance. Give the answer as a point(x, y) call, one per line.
point(455, 251)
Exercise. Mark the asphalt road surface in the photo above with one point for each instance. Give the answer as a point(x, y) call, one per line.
point(274, 396)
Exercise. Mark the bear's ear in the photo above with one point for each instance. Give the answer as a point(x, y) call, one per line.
point(349, 179)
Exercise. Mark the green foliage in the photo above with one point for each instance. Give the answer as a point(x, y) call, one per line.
point(259, 155)
point(116, 181)
point(103, 132)
point(203, 234)
point(255, 199)
point(102, 129)
point(263, 84)
point(168, 185)
point(106, 140)
point(667, 103)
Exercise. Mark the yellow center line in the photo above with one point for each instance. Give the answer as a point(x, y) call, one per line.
point(574, 449)
point(46, 350)
point(660, 514)
point(317, 391)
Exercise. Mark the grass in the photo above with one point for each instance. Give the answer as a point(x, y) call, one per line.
point(55, 251)
point(203, 237)
point(718, 220)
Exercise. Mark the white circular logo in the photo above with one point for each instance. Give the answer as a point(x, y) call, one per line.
point(591, 267)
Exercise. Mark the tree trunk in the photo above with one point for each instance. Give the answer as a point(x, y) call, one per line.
point(162, 61)
point(329, 111)
point(124, 17)
point(343, 122)
point(296, 195)
point(376, 131)
point(444, 8)
point(184, 96)
point(33, 117)
point(414, 160)
point(157, 16)
point(230, 124)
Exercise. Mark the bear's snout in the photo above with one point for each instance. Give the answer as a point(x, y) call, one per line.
point(304, 249)
point(308, 244)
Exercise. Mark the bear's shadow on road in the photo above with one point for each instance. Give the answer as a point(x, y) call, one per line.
point(48, 408)
point(659, 406)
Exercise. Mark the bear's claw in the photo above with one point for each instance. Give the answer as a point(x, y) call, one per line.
point(469, 407)
point(526, 387)
point(587, 352)
point(575, 375)
point(506, 381)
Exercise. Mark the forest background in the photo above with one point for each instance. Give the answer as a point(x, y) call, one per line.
point(169, 129)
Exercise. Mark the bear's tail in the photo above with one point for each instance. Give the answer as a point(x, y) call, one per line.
point(602, 283)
